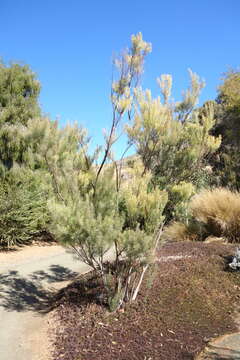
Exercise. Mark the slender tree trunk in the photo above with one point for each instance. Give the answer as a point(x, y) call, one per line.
point(139, 283)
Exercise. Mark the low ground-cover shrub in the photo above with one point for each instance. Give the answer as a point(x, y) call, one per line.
point(213, 213)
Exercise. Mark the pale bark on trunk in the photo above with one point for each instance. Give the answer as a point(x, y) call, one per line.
point(139, 283)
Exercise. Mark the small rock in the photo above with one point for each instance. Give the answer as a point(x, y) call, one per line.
point(226, 347)
point(213, 239)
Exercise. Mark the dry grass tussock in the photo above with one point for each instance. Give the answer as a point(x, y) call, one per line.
point(214, 213)
point(219, 211)
point(178, 232)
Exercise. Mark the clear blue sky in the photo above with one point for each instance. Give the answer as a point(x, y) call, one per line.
point(70, 44)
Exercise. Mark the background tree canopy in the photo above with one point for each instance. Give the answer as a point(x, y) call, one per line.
point(19, 91)
point(226, 162)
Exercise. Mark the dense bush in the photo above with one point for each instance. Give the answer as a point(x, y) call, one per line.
point(19, 91)
point(174, 141)
point(225, 162)
point(23, 211)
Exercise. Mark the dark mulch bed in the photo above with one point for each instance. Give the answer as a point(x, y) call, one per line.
point(182, 304)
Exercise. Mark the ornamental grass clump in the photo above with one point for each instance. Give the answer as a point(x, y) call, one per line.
point(214, 213)
point(219, 211)
point(178, 231)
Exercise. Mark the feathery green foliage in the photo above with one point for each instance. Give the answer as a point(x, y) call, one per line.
point(138, 200)
point(225, 163)
point(58, 154)
point(93, 224)
point(102, 213)
point(173, 140)
point(23, 209)
point(19, 91)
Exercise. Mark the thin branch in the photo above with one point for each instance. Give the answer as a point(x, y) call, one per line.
point(55, 184)
point(139, 283)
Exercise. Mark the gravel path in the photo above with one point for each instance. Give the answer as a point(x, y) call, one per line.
point(27, 279)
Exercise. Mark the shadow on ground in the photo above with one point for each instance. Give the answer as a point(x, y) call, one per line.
point(32, 293)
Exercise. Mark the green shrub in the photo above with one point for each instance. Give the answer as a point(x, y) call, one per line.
point(179, 197)
point(23, 212)
point(174, 142)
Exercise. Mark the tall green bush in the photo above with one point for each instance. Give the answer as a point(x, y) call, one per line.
point(19, 92)
point(174, 141)
point(104, 213)
point(93, 225)
point(23, 210)
point(225, 163)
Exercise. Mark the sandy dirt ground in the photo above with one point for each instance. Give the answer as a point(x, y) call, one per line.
point(27, 278)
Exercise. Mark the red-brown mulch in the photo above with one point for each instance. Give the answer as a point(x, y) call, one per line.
point(182, 304)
